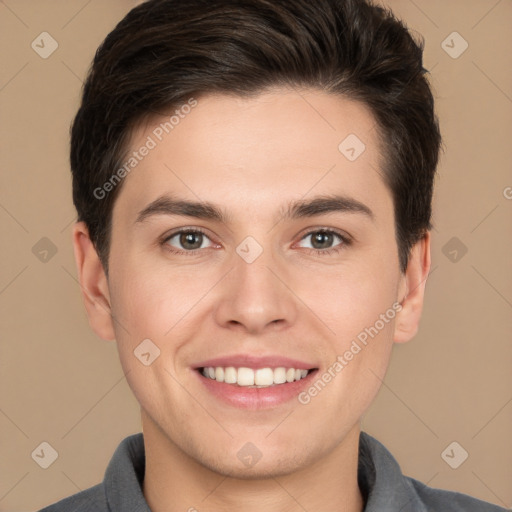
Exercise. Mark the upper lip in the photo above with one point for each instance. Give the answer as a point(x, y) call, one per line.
point(251, 361)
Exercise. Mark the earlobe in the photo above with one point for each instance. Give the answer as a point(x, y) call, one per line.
point(413, 291)
point(93, 282)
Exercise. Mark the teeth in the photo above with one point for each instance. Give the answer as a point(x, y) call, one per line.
point(245, 377)
point(280, 375)
point(219, 374)
point(230, 375)
point(262, 377)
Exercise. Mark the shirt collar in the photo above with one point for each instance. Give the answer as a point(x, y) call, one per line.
point(380, 478)
point(124, 476)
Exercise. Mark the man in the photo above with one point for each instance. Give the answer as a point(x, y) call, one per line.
point(253, 181)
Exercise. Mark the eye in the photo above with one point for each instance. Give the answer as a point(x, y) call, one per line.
point(324, 241)
point(187, 240)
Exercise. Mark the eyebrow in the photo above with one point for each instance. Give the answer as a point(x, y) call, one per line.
point(326, 204)
point(167, 205)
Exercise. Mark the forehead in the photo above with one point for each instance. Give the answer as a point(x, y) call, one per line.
point(256, 152)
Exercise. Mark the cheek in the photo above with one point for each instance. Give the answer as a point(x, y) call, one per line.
point(351, 297)
point(356, 303)
point(163, 307)
point(149, 302)
point(364, 327)
point(147, 307)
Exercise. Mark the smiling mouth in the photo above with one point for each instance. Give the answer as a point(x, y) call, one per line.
point(254, 377)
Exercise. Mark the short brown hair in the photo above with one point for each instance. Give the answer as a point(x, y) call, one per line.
point(166, 51)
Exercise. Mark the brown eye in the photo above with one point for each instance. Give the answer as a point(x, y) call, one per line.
point(322, 239)
point(188, 240)
point(191, 240)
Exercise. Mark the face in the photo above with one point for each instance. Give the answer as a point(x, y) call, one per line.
point(247, 237)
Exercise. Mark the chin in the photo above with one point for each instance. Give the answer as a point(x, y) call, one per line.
point(259, 470)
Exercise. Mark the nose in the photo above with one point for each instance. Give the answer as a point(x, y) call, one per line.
point(256, 297)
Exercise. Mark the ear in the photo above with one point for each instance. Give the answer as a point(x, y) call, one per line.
point(412, 290)
point(93, 283)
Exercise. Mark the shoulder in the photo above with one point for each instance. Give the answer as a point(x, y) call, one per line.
point(386, 488)
point(449, 501)
point(121, 486)
point(89, 500)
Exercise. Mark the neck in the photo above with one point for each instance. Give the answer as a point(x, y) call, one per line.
point(174, 481)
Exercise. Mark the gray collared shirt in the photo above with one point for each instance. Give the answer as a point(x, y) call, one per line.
point(384, 487)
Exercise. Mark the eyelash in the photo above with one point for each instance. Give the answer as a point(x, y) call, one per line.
point(346, 241)
point(331, 250)
point(181, 231)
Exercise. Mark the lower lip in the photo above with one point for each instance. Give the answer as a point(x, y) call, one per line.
point(244, 397)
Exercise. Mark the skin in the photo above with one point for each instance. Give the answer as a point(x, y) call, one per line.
point(252, 157)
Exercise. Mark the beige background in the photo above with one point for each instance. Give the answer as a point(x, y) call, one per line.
point(63, 385)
